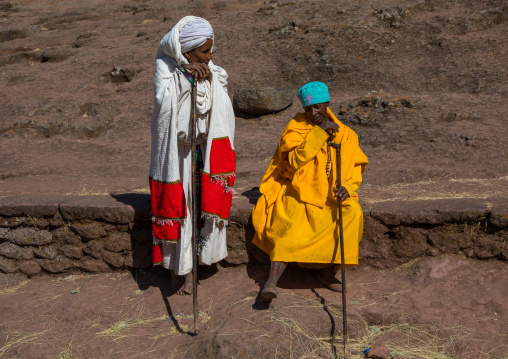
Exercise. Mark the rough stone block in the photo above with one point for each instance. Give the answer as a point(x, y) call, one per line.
point(30, 236)
point(13, 251)
point(262, 100)
point(57, 265)
point(33, 206)
point(65, 235)
point(46, 252)
point(7, 265)
point(118, 242)
point(430, 211)
point(103, 208)
point(378, 351)
point(116, 260)
point(94, 248)
point(29, 267)
point(91, 265)
point(499, 212)
point(71, 251)
point(89, 230)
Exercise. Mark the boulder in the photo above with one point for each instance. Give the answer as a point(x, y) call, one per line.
point(13, 251)
point(262, 100)
point(378, 351)
point(30, 236)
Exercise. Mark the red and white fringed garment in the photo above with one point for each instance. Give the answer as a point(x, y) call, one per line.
point(170, 173)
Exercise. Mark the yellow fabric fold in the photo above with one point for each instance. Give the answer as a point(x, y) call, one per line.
point(295, 219)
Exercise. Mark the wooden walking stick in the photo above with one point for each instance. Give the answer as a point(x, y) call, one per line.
point(194, 208)
point(341, 241)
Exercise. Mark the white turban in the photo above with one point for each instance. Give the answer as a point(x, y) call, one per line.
point(194, 34)
point(175, 45)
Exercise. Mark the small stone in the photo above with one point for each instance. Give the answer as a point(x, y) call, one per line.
point(90, 230)
point(114, 259)
point(94, 248)
point(30, 236)
point(57, 221)
point(30, 267)
point(378, 351)
point(262, 100)
point(92, 265)
point(118, 242)
point(13, 251)
point(57, 265)
point(12, 222)
point(40, 223)
point(46, 252)
point(7, 265)
point(73, 252)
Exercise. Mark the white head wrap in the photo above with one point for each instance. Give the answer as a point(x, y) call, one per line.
point(174, 45)
point(194, 34)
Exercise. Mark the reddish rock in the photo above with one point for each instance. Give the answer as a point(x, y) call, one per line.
point(73, 252)
point(378, 351)
point(499, 212)
point(7, 265)
point(487, 247)
point(30, 267)
point(89, 230)
point(46, 252)
point(94, 248)
point(103, 208)
point(57, 265)
point(437, 211)
point(114, 259)
point(57, 221)
point(13, 251)
point(118, 242)
point(91, 265)
point(30, 236)
point(32, 205)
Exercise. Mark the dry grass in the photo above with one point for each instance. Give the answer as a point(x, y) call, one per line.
point(17, 339)
point(13, 290)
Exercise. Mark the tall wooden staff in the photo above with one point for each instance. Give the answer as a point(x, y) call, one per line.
point(341, 241)
point(194, 208)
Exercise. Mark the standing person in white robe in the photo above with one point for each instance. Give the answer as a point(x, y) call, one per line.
point(185, 55)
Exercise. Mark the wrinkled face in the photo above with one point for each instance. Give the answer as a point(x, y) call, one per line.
point(317, 112)
point(201, 54)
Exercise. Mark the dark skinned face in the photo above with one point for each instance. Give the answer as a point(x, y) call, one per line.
point(202, 54)
point(317, 112)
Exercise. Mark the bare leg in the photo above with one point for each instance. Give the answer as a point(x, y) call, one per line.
point(326, 276)
point(269, 291)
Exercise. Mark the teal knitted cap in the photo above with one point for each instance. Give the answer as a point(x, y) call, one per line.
point(313, 93)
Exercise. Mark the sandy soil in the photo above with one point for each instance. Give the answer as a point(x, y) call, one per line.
point(441, 307)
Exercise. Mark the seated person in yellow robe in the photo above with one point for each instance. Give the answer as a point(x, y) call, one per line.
point(296, 217)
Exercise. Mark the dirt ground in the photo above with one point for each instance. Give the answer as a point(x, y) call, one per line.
point(422, 82)
point(441, 307)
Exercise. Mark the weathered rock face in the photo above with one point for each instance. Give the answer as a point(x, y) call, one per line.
point(262, 100)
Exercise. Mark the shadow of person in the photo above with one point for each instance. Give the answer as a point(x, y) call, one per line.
point(332, 323)
point(158, 277)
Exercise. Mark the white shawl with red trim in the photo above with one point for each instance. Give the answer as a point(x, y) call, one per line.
point(167, 195)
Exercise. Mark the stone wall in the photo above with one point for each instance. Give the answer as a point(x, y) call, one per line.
point(58, 234)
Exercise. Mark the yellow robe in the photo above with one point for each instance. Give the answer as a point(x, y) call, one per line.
point(296, 218)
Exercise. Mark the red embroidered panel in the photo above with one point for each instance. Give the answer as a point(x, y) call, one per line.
point(166, 231)
point(214, 200)
point(222, 157)
point(156, 254)
point(167, 199)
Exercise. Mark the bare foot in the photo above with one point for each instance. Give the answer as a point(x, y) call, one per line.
point(182, 285)
point(326, 276)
